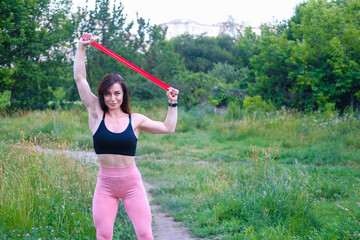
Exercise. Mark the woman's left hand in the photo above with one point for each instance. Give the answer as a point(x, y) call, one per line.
point(172, 94)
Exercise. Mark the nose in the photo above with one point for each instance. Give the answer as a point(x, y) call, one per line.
point(112, 96)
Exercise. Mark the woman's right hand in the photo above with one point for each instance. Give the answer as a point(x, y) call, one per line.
point(86, 39)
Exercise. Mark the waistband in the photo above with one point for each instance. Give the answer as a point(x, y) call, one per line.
point(117, 172)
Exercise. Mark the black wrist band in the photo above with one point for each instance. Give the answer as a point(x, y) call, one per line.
point(173, 104)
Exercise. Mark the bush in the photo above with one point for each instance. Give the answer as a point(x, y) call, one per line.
point(252, 104)
point(4, 100)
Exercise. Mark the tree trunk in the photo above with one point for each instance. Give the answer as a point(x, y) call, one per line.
point(351, 101)
point(12, 94)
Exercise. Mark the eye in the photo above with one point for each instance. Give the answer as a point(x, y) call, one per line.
point(106, 93)
point(118, 93)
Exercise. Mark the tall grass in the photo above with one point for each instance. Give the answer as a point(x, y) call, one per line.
point(279, 175)
point(44, 196)
point(48, 196)
point(314, 138)
point(55, 129)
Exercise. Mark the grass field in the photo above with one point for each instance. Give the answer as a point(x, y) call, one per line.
point(280, 175)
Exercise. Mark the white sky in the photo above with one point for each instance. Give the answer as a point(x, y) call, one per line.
point(251, 12)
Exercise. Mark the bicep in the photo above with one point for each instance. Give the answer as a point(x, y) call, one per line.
point(151, 126)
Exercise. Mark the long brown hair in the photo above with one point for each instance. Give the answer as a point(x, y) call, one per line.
point(106, 82)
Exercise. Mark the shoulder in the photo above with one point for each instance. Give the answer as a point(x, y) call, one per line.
point(137, 117)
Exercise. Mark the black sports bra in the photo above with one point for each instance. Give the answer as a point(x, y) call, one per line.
point(106, 142)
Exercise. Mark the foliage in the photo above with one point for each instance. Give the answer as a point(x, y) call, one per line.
point(229, 74)
point(326, 52)
point(311, 57)
point(271, 67)
point(162, 61)
point(252, 104)
point(33, 43)
point(146, 49)
point(200, 52)
point(231, 84)
point(110, 29)
point(5, 100)
point(195, 88)
point(245, 47)
point(309, 62)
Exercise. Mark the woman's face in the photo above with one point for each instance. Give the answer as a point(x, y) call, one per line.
point(113, 97)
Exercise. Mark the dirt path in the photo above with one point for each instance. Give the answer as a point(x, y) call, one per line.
point(164, 227)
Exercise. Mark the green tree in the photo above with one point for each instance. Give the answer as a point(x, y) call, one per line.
point(110, 29)
point(201, 52)
point(162, 61)
point(195, 88)
point(140, 43)
point(310, 62)
point(271, 68)
point(231, 84)
point(33, 39)
point(327, 52)
point(245, 47)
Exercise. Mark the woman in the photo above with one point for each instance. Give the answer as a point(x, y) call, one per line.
point(115, 132)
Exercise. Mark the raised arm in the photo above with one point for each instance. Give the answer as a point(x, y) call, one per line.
point(169, 125)
point(87, 97)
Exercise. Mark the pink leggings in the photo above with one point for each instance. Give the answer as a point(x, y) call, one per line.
point(125, 183)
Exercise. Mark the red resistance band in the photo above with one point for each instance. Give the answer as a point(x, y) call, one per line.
point(130, 65)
